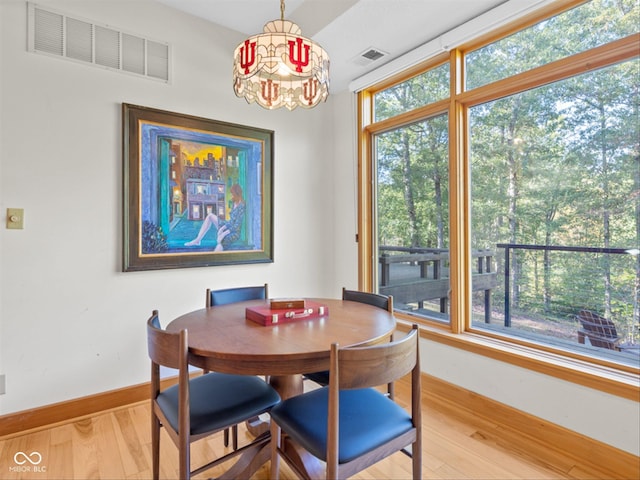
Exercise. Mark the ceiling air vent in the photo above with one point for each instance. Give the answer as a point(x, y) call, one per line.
point(369, 56)
point(57, 34)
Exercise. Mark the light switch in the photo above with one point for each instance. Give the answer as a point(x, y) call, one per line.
point(15, 218)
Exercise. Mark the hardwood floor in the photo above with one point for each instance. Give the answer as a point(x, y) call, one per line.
point(116, 445)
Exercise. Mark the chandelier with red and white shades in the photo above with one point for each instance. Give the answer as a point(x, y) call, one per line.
point(281, 68)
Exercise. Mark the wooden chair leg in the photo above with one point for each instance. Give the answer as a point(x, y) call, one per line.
point(185, 458)
point(416, 460)
point(155, 446)
point(275, 456)
point(234, 431)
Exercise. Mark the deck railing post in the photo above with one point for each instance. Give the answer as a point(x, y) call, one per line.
point(484, 265)
point(507, 295)
point(384, 273)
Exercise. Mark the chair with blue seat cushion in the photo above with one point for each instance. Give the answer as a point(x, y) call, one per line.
point(381, 301)
point(195, 408)
point(377, 300)
point(237, 294)
point(234, 295)
point(349, 424)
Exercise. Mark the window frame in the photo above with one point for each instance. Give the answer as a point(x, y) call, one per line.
point(611, 377)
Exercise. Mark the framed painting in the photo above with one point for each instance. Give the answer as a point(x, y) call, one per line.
point(197, 192)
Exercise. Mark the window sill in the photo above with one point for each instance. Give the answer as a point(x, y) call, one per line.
point(620, 380)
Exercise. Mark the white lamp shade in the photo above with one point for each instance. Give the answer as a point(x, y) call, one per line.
point(281, 68)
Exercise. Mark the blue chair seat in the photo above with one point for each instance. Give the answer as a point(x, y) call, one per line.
point(215, 401)
point(368, 419)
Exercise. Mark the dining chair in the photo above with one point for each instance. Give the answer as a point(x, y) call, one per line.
point(349, 424)
point(381, 301)
point(195, 408)
point(234, 295)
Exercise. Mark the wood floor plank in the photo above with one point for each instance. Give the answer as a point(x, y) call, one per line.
point(130, 444)
point(109, 460)
point(61, 434)
point(60, 462)
point(85, 450)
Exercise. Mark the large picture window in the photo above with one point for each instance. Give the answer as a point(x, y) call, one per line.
point(554, 182)
point(506, 199)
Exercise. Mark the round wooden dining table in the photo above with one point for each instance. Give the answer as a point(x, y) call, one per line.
point(222, 339)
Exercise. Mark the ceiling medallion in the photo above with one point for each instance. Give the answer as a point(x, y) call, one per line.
point(281, 68)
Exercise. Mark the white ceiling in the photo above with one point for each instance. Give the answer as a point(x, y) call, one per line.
point(347, 28)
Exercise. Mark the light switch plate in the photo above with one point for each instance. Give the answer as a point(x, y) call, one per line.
point(15, 218)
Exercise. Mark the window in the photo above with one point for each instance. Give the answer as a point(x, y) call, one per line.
point(554, 186)
point(577, 30)
point(507, 209)
point(423, 89)
point(413, 215)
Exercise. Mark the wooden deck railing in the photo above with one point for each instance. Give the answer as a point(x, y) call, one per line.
point(416, 275)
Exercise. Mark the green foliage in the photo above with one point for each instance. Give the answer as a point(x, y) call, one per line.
point(580, 29)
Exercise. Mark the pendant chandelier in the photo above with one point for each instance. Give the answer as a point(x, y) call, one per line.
point(281, 68)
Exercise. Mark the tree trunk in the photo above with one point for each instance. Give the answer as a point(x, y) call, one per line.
point(408, 192)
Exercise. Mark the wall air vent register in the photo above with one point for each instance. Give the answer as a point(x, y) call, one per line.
point(369, 56)
point(56, 34)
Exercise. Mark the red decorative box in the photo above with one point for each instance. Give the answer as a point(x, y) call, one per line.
point(290, 303)
point(265, 315)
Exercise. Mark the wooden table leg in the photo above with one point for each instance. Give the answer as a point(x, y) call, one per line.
point(249, 462)
point(287, 386)
point(306, 464)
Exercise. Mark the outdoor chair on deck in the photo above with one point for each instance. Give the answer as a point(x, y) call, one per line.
point(381, 301)
point(600, 331)
point(199, 407)
point(234, 295)
point(350, 425)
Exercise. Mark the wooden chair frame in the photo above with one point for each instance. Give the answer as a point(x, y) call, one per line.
point(377, 300)
point(364, 367)
point(251, 291)
point(172, 350)
point(374, 299)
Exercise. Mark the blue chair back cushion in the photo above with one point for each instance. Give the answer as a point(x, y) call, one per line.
point(233, 295)
point(368, 419)
point(380, 301)
point(214, 403)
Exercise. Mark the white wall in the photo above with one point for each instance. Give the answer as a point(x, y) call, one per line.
point(344, 221)
point(607, 418)
point(72, 324)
